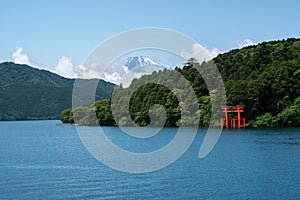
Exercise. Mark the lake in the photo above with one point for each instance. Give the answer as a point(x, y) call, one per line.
point(40, 160)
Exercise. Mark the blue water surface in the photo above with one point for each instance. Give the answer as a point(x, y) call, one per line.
point(40, 160)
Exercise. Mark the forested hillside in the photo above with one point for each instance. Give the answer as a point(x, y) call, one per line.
point(264, 77)
point(30, 93)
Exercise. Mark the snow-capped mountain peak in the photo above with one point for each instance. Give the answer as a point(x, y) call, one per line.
point(133, 67)
point(140, 61)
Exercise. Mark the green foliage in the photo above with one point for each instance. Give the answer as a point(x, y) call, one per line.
point(290, 117)
point(263, 121)
point(148, 91)
point(104, 114)
point(67, 116)
point(29, 93)
point(265, 78)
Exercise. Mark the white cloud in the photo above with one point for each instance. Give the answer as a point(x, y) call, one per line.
point(112, 77)
point(245, 43)
point(84, 72)
point(126, 78)
point(119, 77)
point(119, 74)
point(125, 69)
point(200, 52)
point(65, 68)
point(19, 57)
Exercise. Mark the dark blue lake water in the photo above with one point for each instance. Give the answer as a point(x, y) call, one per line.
point(40, 160)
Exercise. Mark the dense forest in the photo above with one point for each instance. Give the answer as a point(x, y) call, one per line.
point(264, 77)
point(29, 93)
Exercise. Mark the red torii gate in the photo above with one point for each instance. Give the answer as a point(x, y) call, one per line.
point(233, 122)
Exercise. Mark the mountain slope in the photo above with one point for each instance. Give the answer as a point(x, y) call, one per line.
point(23, 75)
point(29, 93)
point(264, 77)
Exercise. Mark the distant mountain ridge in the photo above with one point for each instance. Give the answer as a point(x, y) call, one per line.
point(30, 93)
point(23, 75)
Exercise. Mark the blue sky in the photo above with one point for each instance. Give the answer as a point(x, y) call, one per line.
point(47, 31)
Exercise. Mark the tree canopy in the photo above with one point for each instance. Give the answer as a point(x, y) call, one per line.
point(264, 77)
